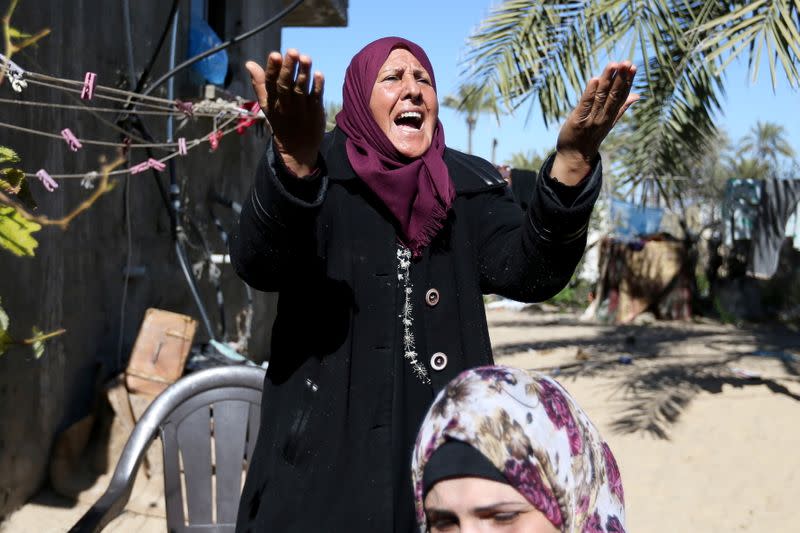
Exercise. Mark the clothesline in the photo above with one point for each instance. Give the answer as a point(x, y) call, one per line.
point(225, 112)
point(189, 145)
point(52, 81)
point(123, 96)
point(162, 145)
point(125, 101)
point(173, 112)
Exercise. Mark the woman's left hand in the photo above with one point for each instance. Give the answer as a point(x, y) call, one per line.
point(602, 103)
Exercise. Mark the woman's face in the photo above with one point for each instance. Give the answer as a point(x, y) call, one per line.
point(404, 103)
point(473, 505)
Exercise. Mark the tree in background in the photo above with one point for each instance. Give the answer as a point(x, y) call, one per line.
point(544, 52)
point(471, 101)
point(331, 110)
point(529, 160)
point(766, 143)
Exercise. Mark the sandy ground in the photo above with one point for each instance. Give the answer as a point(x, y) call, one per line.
point(703, 421)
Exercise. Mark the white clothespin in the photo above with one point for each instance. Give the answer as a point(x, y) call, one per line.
point(88, 179)
point(15, 74)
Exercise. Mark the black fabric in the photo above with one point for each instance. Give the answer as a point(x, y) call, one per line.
point(779, 200)
point(522, 183)
point(411, 400)
point(340, 409)
point(455, 459)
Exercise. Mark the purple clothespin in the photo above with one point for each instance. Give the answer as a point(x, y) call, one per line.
point(182, 145)
point(72, 141)
point(89, 82)
point(185, 107)
point(140, 167)
point(156, 164)
point(48, 182)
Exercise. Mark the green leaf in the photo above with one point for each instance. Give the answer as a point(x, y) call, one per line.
point(7, 155)
point(16, 232)
point(5, 339)
point(37, 345)
point(12, 181)
point(16, 34)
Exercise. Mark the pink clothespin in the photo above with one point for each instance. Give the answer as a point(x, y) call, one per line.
point(213, 139)
point(72, 141)
point(89, 82)
point(182, 145)
point(185, 107)
point(156, 164)
point(140, 167)
point(252, 109)
point(48, 182)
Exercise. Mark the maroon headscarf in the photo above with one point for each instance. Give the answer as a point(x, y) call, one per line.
point(419, 192)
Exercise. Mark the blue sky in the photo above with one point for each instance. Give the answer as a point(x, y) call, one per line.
point(442, 27)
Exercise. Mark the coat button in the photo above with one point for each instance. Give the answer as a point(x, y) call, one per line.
point(432, 297)
point(438, 361)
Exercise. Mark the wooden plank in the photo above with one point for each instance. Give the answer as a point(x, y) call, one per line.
point(194, 439)
point(230, 431)
point(160, 351)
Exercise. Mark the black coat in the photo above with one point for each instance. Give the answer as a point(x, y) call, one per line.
point(338, 413)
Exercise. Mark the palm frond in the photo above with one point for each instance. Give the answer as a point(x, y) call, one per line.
point(526, 49)
point(770, 27)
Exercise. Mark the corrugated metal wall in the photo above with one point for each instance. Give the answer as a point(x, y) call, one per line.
point(76, 279)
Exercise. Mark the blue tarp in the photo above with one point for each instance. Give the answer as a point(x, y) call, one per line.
point(201, 38)
point(630, 221)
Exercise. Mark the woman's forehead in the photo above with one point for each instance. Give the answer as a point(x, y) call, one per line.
point(400, 58)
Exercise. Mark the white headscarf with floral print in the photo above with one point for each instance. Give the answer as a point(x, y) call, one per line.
point(532, 430)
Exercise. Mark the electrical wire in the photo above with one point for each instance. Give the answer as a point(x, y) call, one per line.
point(246, 35)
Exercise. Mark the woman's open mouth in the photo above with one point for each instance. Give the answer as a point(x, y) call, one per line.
point(409, 120)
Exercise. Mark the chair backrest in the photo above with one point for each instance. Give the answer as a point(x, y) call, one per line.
point(208, 440)
point(208, 423)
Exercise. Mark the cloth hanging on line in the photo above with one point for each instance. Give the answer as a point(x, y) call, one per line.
point(630, 221)
point(740, 208)
point(779, 199)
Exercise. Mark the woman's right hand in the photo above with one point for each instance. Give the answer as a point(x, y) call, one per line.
point(294, 110)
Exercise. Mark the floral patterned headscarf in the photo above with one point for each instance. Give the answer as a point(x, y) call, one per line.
point(533, 432)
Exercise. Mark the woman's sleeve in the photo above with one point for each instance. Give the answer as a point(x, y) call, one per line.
point(531, 256)
point(275, 234)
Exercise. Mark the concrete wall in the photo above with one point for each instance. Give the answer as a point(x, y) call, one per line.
point(76, 279)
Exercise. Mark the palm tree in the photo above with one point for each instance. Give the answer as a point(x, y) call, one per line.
point(544, 52)
point(331, 110)
point(526, 160)
point(472, 100)
point(766, 142)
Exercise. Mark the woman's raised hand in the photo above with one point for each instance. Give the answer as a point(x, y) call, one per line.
point(292, 103)
point(602, 103)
